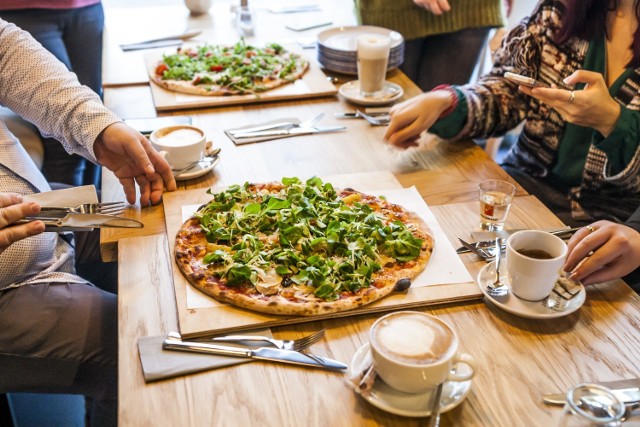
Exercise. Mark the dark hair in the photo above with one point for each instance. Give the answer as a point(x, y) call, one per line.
point(587, 19)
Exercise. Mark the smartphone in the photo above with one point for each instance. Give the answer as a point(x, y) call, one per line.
point(306, 26)
point(523, 80)
point(147, 125)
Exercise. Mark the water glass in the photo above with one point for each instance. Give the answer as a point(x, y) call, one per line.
point(591, 405)
point(495, 201)
point(245, 21)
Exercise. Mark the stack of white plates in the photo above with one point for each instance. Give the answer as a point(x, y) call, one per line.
point(337, 48)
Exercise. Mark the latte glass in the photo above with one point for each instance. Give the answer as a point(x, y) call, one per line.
point(414, 352)
point(373, 56)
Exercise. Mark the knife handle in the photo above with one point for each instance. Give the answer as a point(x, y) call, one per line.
point(198, 347)
point(261, 134)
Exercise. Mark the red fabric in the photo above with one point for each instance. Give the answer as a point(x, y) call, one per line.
point(452, 94)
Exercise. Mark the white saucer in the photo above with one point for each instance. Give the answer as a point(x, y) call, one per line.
point(520, 307)
point(404, 404)
point(351, 91)
point(201, 168)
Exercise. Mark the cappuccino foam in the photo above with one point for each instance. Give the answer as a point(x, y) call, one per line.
point(180, 137)
point(413, 338)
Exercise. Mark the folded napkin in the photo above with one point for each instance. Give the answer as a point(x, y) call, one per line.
point(260, 139)
point(160, 364)
point(66, 197)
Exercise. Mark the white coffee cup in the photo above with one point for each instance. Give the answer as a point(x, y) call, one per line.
point(198, 7)
point(534, 263)
point(373, 55)
point(181, 145)
point(414, 352)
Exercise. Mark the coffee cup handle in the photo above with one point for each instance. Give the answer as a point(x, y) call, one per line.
point(466, 359)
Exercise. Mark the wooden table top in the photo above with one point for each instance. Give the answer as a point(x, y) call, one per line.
point(518, 359)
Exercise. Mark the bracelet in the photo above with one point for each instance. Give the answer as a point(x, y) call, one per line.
point(452, 94)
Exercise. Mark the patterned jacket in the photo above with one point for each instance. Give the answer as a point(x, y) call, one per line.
point(495, 106)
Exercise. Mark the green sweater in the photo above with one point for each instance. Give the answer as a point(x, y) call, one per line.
point(413, 21)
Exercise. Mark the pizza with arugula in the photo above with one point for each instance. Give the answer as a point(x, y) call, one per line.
point(215, 70)
point(301, 248)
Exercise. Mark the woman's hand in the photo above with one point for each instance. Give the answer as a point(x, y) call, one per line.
point(12, 209)
point(616, 252)
point(132, 159)
point(591, 107)
point(437, 7)
point(412, 117)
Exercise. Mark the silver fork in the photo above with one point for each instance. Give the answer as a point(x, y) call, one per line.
point(281, 125)
point(105, 208)
point(375, 121)
point(295, 345)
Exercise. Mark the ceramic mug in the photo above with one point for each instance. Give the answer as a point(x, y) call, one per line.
point(198, 7)
point(534, 263)
point(181, 145)
point(414, 352)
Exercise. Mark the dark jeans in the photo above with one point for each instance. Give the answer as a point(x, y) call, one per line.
point(74, 36)
point(444, 58)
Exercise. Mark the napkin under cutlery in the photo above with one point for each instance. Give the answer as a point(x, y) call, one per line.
point(283, 128)
point(73, 196)
point(159, 364)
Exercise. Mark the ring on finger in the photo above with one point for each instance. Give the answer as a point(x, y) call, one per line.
point(572, 96)
point(590, 228)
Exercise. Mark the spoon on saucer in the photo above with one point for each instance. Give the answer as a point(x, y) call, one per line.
point(497, 288)
point(208, 158)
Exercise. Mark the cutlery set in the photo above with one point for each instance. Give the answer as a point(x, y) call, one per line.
point(283, 351)
point(284, 129)
point(84, 216)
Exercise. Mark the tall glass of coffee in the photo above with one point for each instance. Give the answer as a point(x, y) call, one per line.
point(373, 56)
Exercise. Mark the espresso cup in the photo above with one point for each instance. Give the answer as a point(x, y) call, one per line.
point(181, 145)
point(372, 52)
point(198, 7)
point(414, 352)
point(534, 262)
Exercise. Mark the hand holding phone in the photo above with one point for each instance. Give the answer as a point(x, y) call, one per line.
point(523, 80)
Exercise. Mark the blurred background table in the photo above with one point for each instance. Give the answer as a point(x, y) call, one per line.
point(518, 359)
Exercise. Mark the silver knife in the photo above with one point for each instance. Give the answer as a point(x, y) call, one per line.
point(628, 391)
point(261, 128)
point(175, 39)
point(288, 132)
point(79, 220)
point(262, 353)
point(565, 233)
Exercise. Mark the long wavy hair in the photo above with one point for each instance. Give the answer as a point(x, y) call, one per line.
point(587, 19)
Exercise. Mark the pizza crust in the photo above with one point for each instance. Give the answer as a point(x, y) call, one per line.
point(191, 246)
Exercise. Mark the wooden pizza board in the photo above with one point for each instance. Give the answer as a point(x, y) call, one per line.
point(313, 84)
point(225, 318)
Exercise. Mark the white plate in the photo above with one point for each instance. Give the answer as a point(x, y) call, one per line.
point(520, 307)
point(404, 404)
point(351, 91)
point(344, 38)
point(199, 169)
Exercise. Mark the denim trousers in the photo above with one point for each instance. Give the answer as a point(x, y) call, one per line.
point(74, 36)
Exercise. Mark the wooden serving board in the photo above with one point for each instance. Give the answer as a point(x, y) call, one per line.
point(313, 84)
point(225, 318)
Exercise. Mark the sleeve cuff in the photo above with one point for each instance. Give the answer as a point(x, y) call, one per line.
point(452, 124)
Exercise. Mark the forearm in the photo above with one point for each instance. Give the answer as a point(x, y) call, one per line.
point(39, 88)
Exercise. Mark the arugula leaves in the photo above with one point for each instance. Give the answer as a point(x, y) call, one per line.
point(242, 66)
point(306, 233)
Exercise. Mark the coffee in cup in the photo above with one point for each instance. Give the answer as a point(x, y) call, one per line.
point(181, 145)
point(373, 55)
point(414, 352)
point(534, 263)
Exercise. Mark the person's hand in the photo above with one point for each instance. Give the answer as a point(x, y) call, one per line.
point(132, 159)
point(12, 209)
point(412, 117)
point(591, 107)
point(437, 7)
point(616, 252)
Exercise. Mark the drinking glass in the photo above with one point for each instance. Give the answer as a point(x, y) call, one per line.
point(591, 405)
point(495, 201)
point(245, 20)
point(373, 55)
